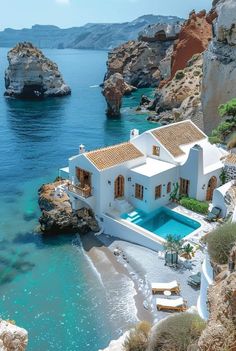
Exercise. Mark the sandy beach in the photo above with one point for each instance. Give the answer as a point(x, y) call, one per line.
point(136, 267)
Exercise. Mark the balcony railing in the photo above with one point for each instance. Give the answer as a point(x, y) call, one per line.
point(85, 191)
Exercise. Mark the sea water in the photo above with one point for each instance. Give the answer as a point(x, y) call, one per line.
point(47, 285)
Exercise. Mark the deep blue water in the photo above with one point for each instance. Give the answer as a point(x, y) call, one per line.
point(47, 285)
point(163, 222)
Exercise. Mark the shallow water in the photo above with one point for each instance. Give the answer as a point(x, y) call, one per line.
point(48, 285)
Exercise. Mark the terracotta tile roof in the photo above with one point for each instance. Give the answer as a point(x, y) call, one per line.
point(113, 155)
point(172, 136)
point(231, 158)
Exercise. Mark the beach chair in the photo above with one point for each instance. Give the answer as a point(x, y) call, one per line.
point(195, 280)
point(161, 287)
point(213, 215)
point(178, 305)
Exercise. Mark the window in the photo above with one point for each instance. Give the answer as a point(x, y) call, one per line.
point(168, 189)
point(184, 186)
point(156, 150)
point(139, 191)
point(158, 191)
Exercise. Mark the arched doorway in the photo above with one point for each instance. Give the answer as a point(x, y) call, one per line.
point(119, 186)
point(210, 188)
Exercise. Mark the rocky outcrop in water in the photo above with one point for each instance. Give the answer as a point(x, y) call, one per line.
point(114, 89)
point(32, 75)
point(219, 66)
point(57, 214)
point(12, 338)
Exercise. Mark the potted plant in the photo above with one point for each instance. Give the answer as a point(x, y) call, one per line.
point(187, 252)
point(173, 246)
point(174, 195)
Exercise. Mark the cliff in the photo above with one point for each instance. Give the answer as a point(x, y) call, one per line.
point(219, 67)
point(220, 333)
point(12, 338)
point(194, 38)
point(96, 36)
point(141, 62)
point(57, 214)
point(32, 75)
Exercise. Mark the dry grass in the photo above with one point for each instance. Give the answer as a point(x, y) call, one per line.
point(138, 337)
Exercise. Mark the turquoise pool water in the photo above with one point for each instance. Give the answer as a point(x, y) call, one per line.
point(163, 222)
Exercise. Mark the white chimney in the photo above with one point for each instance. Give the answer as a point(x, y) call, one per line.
point(81, 149)
point(134, 133)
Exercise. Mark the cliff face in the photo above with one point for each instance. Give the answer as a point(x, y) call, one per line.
point(141, 63)
point(31, 75)
point(219, 67)
point(12, 338)
point(193, 39)
point(220, 333)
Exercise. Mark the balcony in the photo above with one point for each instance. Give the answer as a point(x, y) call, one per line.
point(84, 191)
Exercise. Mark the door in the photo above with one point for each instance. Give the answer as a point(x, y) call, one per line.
point(119, 186)
point(184, 187)
point(212, 184)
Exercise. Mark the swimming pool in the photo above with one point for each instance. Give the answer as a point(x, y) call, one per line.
point(163, 222)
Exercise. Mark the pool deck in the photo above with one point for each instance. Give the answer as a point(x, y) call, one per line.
point(146, 266)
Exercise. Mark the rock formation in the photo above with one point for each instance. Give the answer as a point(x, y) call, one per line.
point(220, 333)
point(194, 38)
point(219, 68)
point(180, 98)
point(12, 338)
point(57, 214)
point(31, 75)
point(114, 89)
point(138, 62)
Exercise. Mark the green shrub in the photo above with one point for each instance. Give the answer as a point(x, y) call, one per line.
point(138, 337)
point(220, 242)
point(177, 332)
point(179, 75)
point(194, 205)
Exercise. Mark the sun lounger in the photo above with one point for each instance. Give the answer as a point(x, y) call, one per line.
point(213, 215)
point(195, 280)
point(178, 305)
point(161, 287)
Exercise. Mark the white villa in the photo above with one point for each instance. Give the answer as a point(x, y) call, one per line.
point(141, 174)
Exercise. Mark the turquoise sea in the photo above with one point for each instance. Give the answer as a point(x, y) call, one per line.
point(47, 285)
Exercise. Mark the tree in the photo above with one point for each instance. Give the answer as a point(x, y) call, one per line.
point(228, 109)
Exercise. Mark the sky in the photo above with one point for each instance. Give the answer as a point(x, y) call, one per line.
point(69, 13)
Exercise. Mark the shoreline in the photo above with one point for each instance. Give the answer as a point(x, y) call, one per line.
point(101, 253)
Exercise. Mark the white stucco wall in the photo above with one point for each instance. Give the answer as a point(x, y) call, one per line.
point(149, 203)
point(206, 281)
point(219, 198)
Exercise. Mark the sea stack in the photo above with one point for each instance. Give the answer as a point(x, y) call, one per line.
point(31, 75)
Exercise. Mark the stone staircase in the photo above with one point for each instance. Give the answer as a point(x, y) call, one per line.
point(123, 206)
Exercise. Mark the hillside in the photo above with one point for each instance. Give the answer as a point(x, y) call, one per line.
point(90, 36)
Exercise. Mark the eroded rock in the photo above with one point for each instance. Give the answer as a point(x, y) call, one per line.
point(12, 338)
point(32, 75)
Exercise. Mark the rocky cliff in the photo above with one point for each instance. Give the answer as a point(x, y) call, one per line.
point(141, 62)
point(220, 333)
point(57, 214)
point(98, 36)
point(220, 64)
point(194, 38)
point(32, 75)
point(12, 338)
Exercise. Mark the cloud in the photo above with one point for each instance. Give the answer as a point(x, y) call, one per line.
point(63, 2)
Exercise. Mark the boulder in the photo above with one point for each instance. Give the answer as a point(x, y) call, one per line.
point(12, 338)
point(32, 75)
